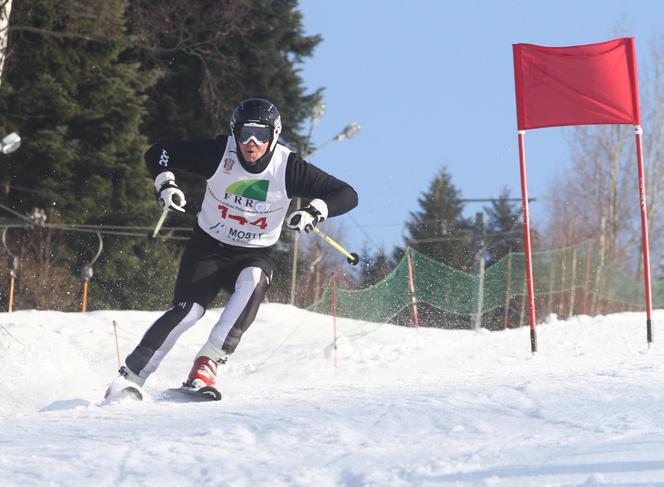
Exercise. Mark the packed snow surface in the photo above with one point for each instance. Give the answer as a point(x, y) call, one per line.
point(401, 407)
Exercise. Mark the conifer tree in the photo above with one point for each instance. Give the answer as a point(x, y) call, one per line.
point(503, 227)
point(78, 106)
point(439, 229)
point(213, 54)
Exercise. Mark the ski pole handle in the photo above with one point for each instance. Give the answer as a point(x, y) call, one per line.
point(160, 223)
point(352, 257)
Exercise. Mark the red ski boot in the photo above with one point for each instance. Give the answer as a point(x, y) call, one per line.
point(201, 380)
point(203, 373)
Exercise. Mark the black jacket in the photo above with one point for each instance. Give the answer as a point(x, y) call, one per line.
point(303, 179)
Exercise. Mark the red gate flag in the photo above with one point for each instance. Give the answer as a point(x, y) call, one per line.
point(576, 85)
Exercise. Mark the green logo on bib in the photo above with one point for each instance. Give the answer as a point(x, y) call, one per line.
point(255, 189)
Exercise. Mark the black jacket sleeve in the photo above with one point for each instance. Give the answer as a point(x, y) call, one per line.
point(200, 157)
point(307, 181)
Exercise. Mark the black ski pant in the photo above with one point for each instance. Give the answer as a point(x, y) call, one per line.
point(207, 266)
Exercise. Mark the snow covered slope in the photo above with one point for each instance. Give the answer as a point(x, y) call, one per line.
point(455, 408)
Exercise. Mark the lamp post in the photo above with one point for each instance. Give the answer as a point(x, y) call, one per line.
point(349, 131)
point(8, 145)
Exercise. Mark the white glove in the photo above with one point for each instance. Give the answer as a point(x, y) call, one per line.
point(168, 193)
point(305, 219)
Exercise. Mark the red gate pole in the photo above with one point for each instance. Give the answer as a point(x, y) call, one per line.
point(521, 134)
point(84, 306)
point(638, 132)
point(413, 296)
point(10, 307)
point(13, 271)
point(334, 317)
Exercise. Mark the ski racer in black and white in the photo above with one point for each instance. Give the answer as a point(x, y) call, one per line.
point(251, 179)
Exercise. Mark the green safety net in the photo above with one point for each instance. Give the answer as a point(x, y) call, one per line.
point(574, 278)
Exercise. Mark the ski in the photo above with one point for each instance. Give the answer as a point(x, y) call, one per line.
point(207, 393)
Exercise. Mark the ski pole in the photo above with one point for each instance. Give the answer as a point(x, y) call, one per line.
point(160, 223)
point(352, 257)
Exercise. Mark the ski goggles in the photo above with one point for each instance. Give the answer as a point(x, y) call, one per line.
point(257, 132)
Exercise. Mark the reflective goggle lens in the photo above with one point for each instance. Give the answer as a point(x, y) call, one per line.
point(260, 133)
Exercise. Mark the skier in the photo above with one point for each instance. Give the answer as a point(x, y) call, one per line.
point(251, 179)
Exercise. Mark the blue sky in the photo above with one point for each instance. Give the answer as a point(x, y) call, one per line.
point(432, 84)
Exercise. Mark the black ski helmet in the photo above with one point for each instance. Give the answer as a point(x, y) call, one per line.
point(257, 110)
